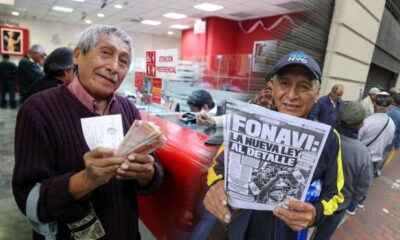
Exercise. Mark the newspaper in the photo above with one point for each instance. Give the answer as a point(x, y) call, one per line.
point(270, 157)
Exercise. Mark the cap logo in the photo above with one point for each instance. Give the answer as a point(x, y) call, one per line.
point(298, 57)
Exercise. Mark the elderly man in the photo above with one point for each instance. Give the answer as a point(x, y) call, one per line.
point(378, 130)
point(368, 101)
point(296, 80)
point(91, 194)
point(57, 70)
point(327, 108)
point(29, 67)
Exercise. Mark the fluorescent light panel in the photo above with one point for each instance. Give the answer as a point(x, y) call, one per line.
point(8, 2)
point(88, 21)
point(15, 13)
point(174, 15)
point(150, 22)
point(179, 26)
point(209, 7)
point(119, 6)
point(100, 15)
point(170, 33)
point(62, 9)
point(78, 0)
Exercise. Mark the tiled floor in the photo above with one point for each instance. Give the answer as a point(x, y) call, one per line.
point(379, 220)
point(13, 225)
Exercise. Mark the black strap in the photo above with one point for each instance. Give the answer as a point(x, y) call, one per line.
point(379, 133)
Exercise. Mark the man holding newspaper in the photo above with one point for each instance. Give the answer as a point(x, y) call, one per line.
point(89, 192)
point(296, 80)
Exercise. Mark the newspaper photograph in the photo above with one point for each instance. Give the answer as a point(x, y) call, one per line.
point(270, 157)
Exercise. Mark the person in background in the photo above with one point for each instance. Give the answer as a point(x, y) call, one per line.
point(356, 167)
point(368, 101)
point(29, 68)
point(326, 110)
point(378, 130)
point(296, 80)
point(91, 194)
point(8, 72)
point(394, 114)
point(200, 100)
point(264, 98)
point(57, 70)
point(392, 91)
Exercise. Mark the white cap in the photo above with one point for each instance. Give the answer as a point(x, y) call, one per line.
point(374, 90)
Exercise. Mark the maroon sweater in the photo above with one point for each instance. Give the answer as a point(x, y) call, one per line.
point(49, 148)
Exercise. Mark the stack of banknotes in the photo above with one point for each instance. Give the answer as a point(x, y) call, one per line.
point(142, 138)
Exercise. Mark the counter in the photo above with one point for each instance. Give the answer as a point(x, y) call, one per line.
point(172, 209)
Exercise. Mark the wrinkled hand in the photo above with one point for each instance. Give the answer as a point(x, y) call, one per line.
point(216, 202)
point(205, 119)
point(101, 165)
point(300, 216)
point(137, 166)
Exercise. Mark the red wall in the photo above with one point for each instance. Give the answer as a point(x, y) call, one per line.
point(223, 36)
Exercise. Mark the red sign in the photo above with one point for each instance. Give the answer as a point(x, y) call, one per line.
point(151, 63)
point(139, 80)
point(156, 92)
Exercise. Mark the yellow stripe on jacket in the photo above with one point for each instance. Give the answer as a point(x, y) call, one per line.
point(331, 206)
point(212, 175)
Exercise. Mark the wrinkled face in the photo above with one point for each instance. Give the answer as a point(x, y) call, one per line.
point(103, 68)
point(295, 92)
point(337, 95)
point(38, 57)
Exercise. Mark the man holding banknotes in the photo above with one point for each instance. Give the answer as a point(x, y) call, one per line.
point(90, 194)
point(296, 81)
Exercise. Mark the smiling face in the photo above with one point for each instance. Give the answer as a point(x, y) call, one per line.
point(295, 92)
point(103, 68)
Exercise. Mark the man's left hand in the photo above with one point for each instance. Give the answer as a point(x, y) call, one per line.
point(301, 214)
point(137, 166)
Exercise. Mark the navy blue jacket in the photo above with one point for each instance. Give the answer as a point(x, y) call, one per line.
point(323, 111)
point(263, 225)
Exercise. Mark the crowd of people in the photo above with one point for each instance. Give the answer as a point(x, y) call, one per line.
point(92, 194)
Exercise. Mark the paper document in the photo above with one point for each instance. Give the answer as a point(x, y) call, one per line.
point(270, 157)
point(103, 131)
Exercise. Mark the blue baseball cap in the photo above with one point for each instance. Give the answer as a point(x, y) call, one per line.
point(298, 58)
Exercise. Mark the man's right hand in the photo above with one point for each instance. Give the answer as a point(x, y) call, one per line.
point(205, 119)
point(100, 167)
point(216, 202)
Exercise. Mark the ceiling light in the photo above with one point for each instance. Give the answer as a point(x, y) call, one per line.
point(119, 6)
point(170, 33)
point(62, 9)
point(179, 26)
point(174, 15)
point(8, 2)
point(150, 22)
point(78, 0)
point(15, 13)
point(100, 15)
point(88, 21)
point(209, 7)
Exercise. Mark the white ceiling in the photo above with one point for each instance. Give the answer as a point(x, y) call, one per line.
point(135, 10)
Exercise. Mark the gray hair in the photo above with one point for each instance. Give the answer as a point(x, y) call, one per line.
point(37, 48)
point(381, 109)
point(88, 39)
point(317, 83)
point(336, 87)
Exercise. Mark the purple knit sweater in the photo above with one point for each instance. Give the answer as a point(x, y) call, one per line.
point(49, 148)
